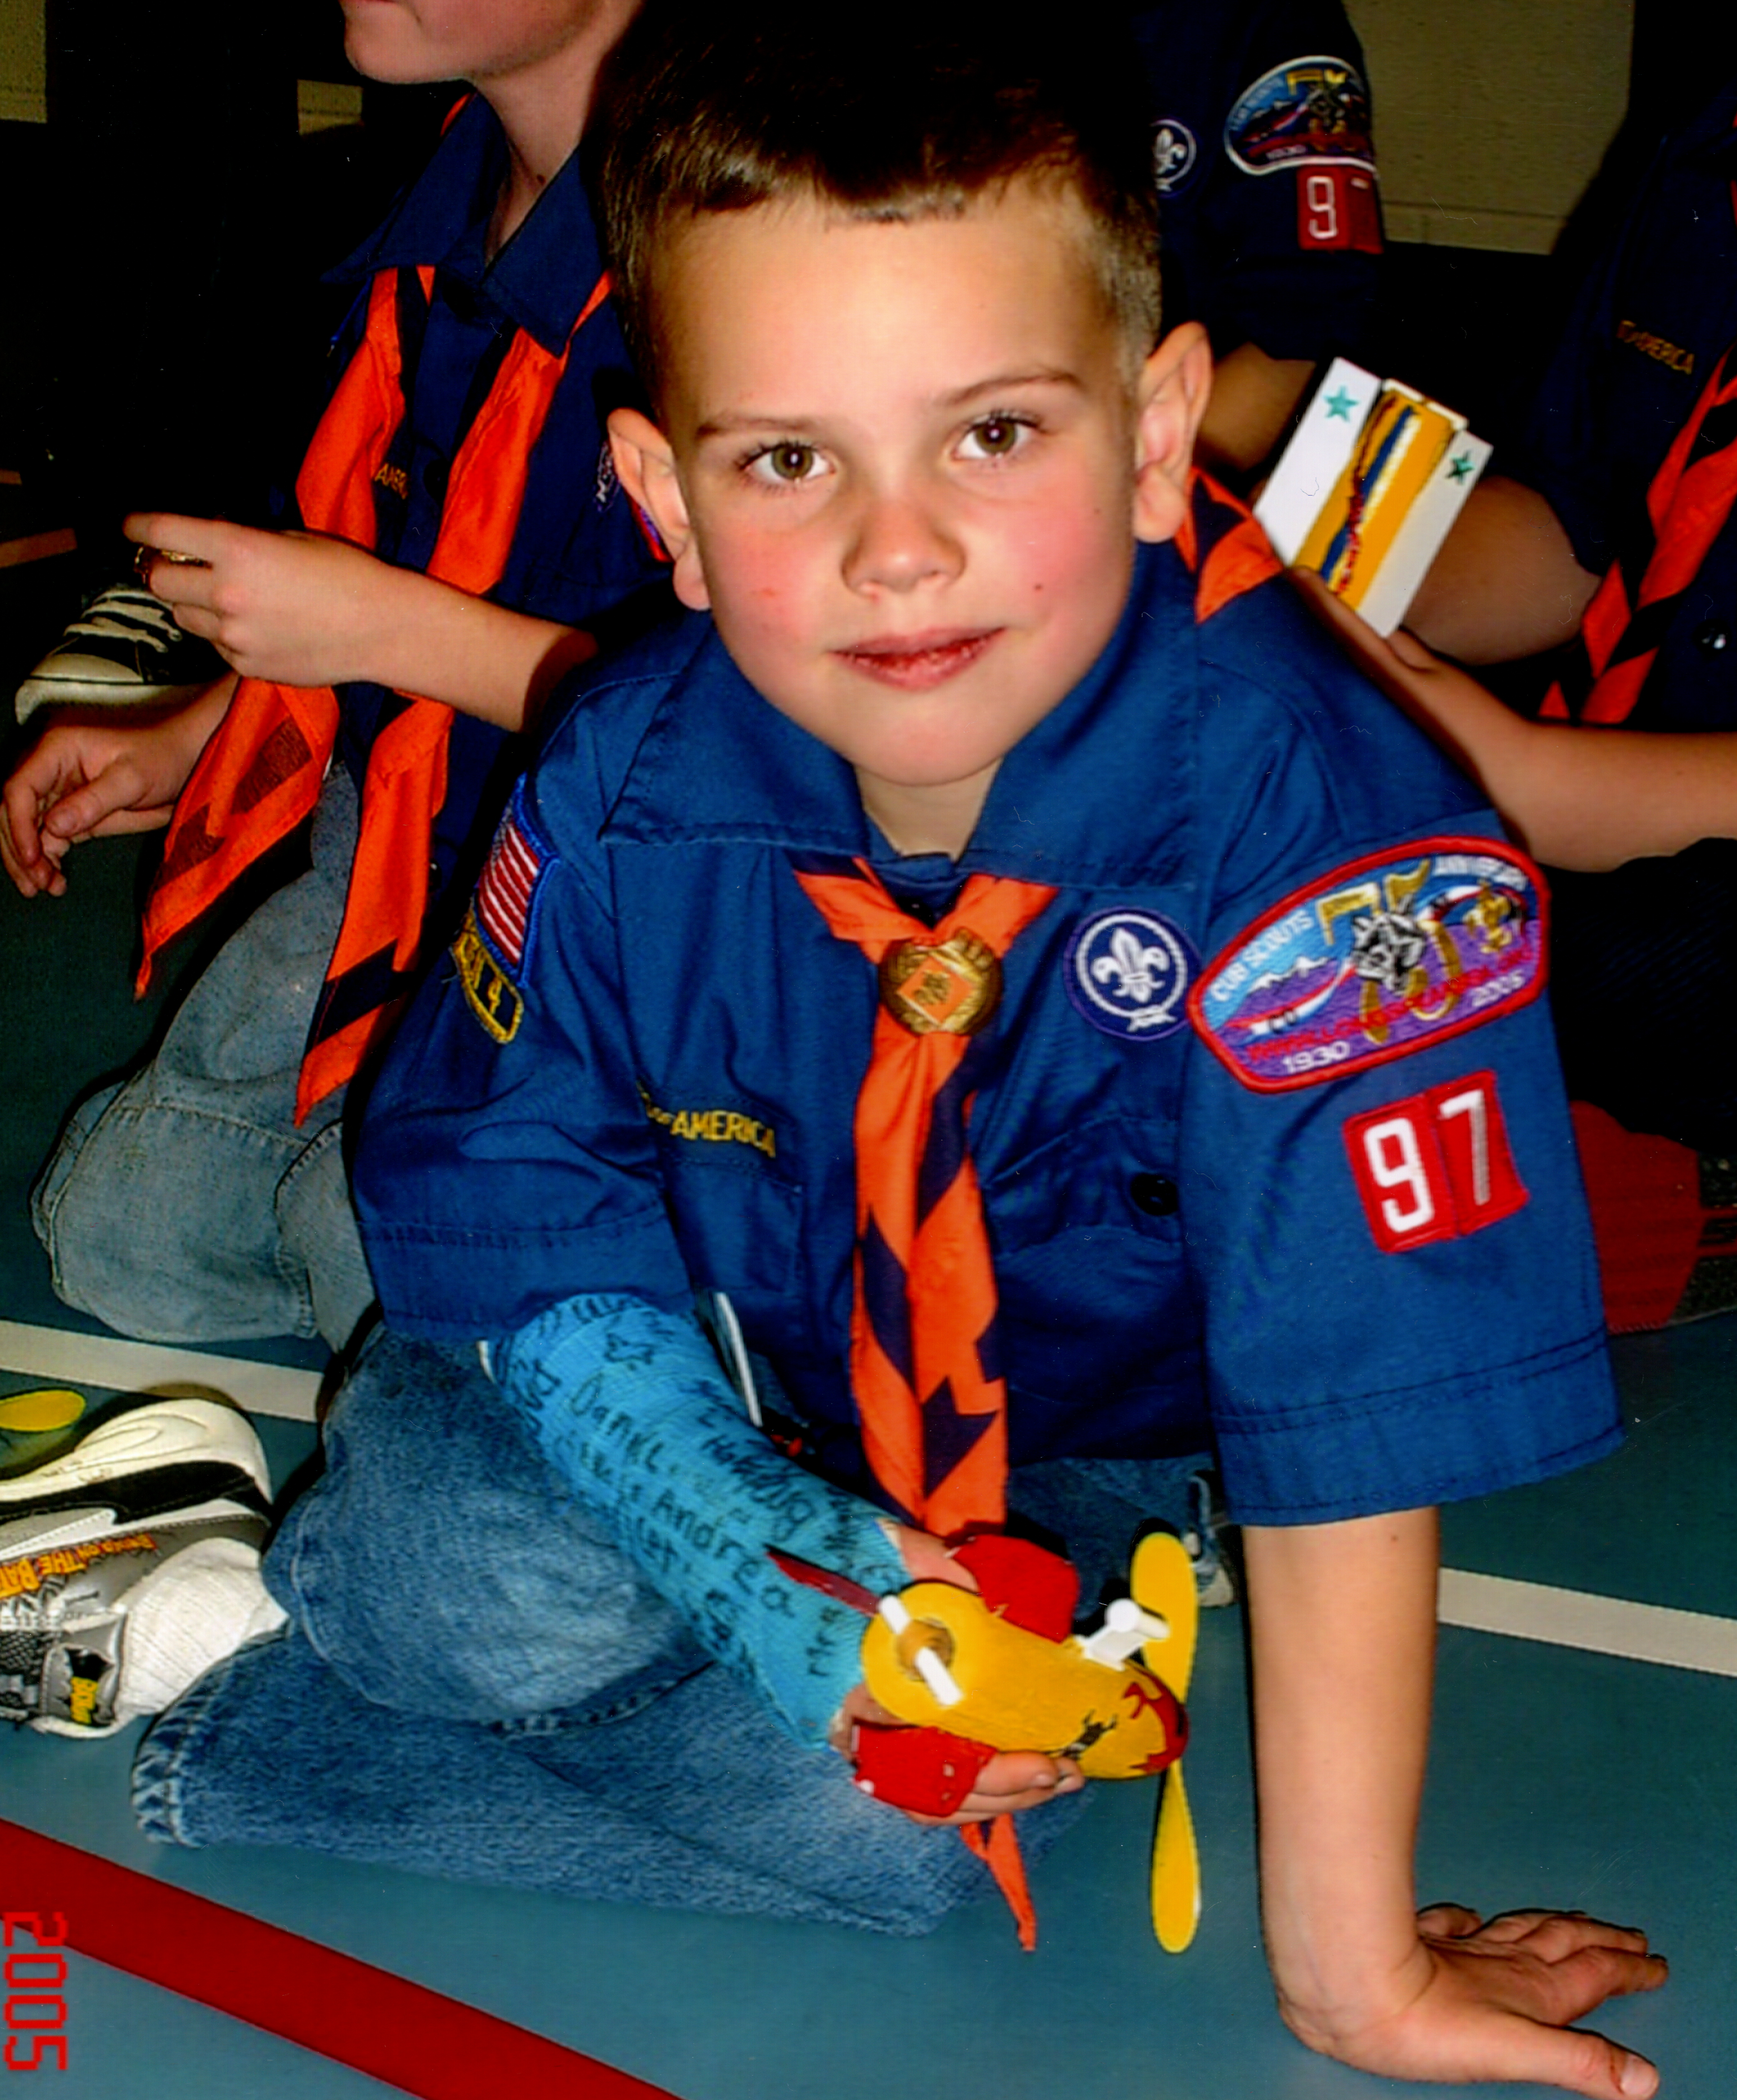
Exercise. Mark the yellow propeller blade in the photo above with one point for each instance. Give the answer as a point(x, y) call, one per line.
point(1162, 1582)
point(1176, 1868)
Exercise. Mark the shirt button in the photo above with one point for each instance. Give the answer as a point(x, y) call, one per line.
point(1156, 1194)
point(1713, 638)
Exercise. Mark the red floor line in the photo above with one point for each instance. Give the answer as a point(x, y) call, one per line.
point(416, 2039)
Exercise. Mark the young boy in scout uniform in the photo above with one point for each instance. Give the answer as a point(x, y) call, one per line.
point(994, 943)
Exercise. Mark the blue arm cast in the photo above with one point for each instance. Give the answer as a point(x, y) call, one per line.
point(630, 1406)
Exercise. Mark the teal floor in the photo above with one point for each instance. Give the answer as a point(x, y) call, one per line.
point(1574, 1778)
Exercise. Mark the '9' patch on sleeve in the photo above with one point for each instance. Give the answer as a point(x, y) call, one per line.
point(1434, 1166)
point(1336, 209)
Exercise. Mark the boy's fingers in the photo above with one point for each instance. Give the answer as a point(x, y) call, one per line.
point(1329, 604)
point(108, 803)
point(169, 532)
point(1411, 651)
point(1579, 1984)
point(192, 615)
point(1557, 1939)
point(1017, 1780)
point(1561, 1938)
point(928, 1559)
point(1586, 2063)
point(1449, 1920)
point(76, 815)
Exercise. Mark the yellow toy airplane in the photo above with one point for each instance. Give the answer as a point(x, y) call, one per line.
point(978, 1671)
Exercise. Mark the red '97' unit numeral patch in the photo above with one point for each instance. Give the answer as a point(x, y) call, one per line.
point(1336, 208)
point(1434, 1166)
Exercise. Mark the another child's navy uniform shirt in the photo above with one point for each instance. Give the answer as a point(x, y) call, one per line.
point(578, 549)
point(637, 1072)
point(1266, 170)
point(1644, 340)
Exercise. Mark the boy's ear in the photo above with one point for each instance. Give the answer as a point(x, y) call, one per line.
point(647, 466)
point(1172, 392)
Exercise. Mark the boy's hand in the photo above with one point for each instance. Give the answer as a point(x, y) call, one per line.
point(1341, 1618)
point(302, 609)
point(1012, 1779)
point(1426, 685)
point(1494, 2003)
point(297, 608)
point(95, 775)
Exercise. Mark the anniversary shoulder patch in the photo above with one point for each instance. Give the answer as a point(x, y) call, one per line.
point(1306, 111)
point(1374, 961)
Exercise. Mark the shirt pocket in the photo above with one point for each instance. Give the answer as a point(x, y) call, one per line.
point(734, 1203)
point(1089, 1234)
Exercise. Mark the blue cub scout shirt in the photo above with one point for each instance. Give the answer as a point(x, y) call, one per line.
point(1264, 160)
point(576, 550)
point(1643, 339)
point(637, 1071)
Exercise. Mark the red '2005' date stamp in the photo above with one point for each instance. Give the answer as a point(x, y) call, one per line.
point(35, 1990)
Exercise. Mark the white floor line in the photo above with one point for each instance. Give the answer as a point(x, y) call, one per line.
point(1483, 1603)
point(1578, 1618)
point(62, 1357)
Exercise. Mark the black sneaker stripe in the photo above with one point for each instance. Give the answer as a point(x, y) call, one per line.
point(153, 1491)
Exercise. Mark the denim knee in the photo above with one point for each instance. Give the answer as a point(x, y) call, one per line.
point(439, 1567)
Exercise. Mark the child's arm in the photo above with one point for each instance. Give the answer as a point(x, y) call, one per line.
point(304, 610)
point(1342, 1620)
point(1252, 400)
point(628, 1405)
point(1506, 583)
point(105, 772)
point(1582, 798)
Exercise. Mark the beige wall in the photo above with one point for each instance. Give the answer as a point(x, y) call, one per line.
point(1491, 115)
point(21, 61)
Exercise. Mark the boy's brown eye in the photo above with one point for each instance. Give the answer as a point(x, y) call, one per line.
point(998, 434)
point(791, 462)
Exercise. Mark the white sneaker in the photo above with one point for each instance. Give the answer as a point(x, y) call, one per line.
point(124, 650)
point(129, 1564)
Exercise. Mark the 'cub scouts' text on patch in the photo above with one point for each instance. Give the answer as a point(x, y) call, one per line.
point(1310, 110)
point(1375, 960)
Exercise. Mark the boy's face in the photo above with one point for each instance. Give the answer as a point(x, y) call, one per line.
point(905, 465)
point(473, 40)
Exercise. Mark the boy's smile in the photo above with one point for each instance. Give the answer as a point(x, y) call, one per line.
point(900, 464)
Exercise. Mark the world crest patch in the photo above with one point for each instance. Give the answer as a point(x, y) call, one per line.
point(1374, 961)
point(1128, 972)
point(1175, 152)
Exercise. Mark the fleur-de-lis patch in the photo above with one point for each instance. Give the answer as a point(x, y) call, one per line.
point(1128, 973)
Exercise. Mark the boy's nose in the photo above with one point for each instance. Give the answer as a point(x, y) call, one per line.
point(901, 542)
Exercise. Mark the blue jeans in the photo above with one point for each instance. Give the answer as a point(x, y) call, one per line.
point(184, 1205)
point(476, 1684)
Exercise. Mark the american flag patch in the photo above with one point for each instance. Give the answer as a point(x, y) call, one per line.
point(506, 895)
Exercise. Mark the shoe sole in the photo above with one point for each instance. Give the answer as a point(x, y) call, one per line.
point(171, 1463)
point(93, 692)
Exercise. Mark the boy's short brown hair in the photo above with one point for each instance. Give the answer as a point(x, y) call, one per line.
point(906, 109)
